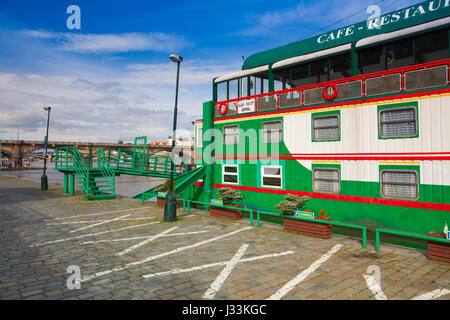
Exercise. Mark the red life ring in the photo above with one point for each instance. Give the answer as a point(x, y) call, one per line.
point(223, 109)
point(330, 91)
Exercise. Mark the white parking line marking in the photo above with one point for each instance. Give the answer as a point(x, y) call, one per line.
point(93, 234)
point(140, 244)
point(214, 264)
point(374, 286)
point(132, 264)
point(100, 223)
point(145, 237)
point(95, 214)
point(215, 286)
point(432, 294)
point(304, 274)
point(91, 221)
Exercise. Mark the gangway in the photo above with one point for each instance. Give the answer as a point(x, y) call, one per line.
point(182, 182)
point(97, 178)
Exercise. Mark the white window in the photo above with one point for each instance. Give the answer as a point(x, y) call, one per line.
point(326, 180)
point(398, 122)
point(231, 134)
point(326, 127)
point(199, 137)
point(272, 131)
point(400, 184)
point(230, 174)
point(272, 176)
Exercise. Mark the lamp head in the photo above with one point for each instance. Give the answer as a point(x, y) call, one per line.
point(47, 108)
point(176, 58)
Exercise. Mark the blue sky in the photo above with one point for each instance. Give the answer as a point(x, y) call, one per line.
point(113, 80)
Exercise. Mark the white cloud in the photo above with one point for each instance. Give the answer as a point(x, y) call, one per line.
point(192, 72)
point(139, 101)
point(308, 17)
point(111, 43)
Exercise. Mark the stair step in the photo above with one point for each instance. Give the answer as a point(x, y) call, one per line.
point(100, 196)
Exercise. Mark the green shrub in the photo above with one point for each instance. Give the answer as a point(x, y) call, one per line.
point(229, 195)
point(291, 203)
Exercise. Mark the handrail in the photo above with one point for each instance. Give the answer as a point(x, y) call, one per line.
point(105, 169)
point(62, 156)
point(378, 231)
point(336, 223)
point(363, 78)
point(81, 169)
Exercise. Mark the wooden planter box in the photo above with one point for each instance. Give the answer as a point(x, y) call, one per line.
point(438, 250)
point(226, 213)
point(309, 228)
point(162, 202)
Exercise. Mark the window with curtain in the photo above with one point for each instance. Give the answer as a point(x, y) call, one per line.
point(398, 122)
point(400, 184)
point(272, 131)
point(325, 127)
point(326, 180)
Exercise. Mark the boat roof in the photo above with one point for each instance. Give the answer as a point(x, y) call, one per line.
point(414, 15)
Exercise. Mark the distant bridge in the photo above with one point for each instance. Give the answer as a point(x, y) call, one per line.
point(16, 150)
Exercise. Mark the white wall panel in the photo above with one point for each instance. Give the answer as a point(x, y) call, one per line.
point(359, 134)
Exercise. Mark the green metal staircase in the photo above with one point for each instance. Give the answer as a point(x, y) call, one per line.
point(97, 183)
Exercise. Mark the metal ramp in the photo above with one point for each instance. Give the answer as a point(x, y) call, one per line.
point(181, 183)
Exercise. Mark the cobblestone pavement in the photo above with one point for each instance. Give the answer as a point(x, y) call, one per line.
point(221, 259)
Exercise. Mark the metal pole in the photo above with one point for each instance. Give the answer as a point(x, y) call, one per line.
point(44, 181)
point(170, 207)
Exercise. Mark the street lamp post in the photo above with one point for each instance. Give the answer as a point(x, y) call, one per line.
point(44, 181)
point(170, 207)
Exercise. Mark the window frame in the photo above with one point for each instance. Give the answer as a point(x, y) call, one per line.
point(224, 136)
point(230, 174)
point(400, 170)
point(262, 131)
point(327, 115)
point(280, 176)
point(326, 169)
point(393, 108)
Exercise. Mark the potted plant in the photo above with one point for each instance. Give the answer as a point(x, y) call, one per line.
point(294, 203)
point(162, 192)
point(227, 196)
point(438, 250)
